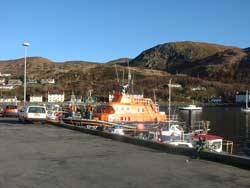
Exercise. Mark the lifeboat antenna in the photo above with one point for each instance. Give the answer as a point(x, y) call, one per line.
point(123, 76)
point(129, 75)
point(117, 76)
point(154, 96)
point(132, 84)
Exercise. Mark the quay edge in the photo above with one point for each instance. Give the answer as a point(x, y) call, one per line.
point(233, 160)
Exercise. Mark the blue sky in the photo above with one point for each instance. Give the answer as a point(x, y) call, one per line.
point(103, 30)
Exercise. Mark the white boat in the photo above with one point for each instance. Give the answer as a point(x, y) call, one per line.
point(246, 109)
point(211, 142)
point(190, 107)
point(167, 133)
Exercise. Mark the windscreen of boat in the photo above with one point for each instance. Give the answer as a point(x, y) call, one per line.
point(170, 138)
point(108, 109)
point(105, 109)
point(36, 110)
point(216, 145)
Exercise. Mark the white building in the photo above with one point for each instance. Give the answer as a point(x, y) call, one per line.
point(55, 97)
point(48, 81)
point(176, 85)
point(5, 75)
point(6, 87)
point(15, 82)
point(198, 89)
point(241, 98)
point(32, 82)
point(2, 81)
point(75, 99)
point(36, 98)
point(9, 100)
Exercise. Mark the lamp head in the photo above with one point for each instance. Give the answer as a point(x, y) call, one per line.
point(26, 44)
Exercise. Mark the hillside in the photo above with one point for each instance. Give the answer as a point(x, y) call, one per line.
point(203, 60)
point(222, 70)
point(75, 76)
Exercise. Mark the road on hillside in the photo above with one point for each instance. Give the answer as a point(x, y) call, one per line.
point(41, 155)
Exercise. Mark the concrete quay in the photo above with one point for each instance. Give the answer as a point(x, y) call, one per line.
point(37, 155)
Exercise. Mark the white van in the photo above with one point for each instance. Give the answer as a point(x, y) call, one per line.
point(32, 113)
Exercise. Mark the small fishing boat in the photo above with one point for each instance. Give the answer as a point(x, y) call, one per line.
point(211, 142)
point(190, 107)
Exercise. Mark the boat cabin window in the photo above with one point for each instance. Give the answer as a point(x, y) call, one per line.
point(104, 109)
point(216, 145)
point(140, 109)
point(152, 136)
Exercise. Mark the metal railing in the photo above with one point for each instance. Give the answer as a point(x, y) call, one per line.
point(228, 145)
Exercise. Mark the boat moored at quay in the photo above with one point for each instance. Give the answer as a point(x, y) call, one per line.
point(134, 115)
point(139, 117)
point(128, 108)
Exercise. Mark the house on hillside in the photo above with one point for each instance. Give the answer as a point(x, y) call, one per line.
point(75, 99)
point(15, 82)
point(32, 82)
point(56, 97)
point(9, 100)
point(241, 97)
point(36, 98)
point(198, 89)
point(6, 87)
point(48, 81)
point(2, 81)
point(176, 85)
point(5, 75)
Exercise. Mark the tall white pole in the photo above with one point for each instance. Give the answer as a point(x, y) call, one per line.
point(247, 99)
point(24, 84)
point(169, 100)
point(26, 44)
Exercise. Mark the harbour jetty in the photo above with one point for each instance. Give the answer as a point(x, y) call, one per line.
point(42, 155)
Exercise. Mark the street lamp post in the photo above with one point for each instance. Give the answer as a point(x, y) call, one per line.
point(25, 44)
point(169, 100)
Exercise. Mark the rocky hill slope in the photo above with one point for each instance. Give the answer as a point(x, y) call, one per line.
point(203, 60)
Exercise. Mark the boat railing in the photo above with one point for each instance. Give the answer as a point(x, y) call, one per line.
point(173, 117)
point(228, 146)
point(201, 126)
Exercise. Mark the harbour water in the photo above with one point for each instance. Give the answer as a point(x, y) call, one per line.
point(228, 122)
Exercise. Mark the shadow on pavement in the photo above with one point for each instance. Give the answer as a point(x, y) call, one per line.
point(9, 120)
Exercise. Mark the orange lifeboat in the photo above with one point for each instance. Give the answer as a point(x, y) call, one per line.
point(124, 107)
